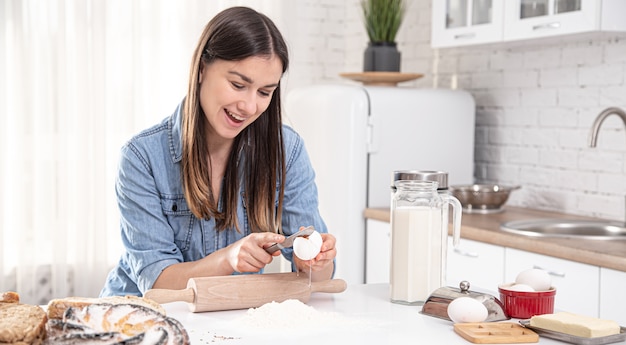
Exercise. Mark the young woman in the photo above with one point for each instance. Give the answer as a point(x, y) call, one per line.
point(204, 192)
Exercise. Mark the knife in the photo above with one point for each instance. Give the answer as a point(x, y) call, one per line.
point(288, 242)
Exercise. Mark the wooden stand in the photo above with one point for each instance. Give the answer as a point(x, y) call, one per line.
point(381, 78)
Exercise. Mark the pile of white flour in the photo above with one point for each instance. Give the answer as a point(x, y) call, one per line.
point(293, 315)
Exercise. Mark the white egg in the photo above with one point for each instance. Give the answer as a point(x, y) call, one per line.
point(521, 287)
point(467, 309)
point(307, 248)
point(536, 278)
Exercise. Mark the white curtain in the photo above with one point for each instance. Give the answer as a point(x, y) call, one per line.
point(77, 79)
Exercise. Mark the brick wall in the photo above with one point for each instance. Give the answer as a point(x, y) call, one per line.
point(536, 101)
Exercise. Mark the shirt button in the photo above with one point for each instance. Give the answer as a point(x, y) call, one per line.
point(174, 208)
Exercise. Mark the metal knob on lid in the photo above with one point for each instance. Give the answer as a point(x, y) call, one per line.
point(441, 177)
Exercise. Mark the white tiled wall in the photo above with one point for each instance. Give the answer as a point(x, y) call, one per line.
point(536, 101)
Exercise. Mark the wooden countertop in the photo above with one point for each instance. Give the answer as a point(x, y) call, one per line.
point(486, 228)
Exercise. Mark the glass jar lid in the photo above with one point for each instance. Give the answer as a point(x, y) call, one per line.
point(441, 177)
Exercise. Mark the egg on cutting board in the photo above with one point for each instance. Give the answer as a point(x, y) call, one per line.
point(467, 309)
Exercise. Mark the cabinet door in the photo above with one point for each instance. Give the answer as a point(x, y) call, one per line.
point(612, 303)
point(377, 252)
point(481, 264)
point(542, 18)
point(577, 285)
point(278, 265)
point(464, 22)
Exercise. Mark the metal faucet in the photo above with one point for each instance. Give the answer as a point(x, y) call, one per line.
point(595, 128)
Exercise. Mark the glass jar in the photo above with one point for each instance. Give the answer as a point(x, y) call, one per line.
point(419, 233)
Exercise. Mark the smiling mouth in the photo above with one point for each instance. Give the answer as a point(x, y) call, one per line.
point(234, 117)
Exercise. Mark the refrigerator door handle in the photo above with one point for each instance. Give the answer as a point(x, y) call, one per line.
point(372, 142)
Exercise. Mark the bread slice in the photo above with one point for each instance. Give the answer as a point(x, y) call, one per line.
point(578, 325)
point(57, 307)
point(22, 324)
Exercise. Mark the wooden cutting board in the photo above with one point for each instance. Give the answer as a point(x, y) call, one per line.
point(495, 333)
point(244, 291)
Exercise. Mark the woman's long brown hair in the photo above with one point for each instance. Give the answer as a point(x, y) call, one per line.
point(257, 153)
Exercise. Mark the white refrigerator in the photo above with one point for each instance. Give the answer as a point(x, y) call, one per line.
point(356, 136)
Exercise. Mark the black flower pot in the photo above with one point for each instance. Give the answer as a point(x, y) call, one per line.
point(381, 57)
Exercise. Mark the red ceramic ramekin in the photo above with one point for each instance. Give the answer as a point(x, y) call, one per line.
point(523, 304)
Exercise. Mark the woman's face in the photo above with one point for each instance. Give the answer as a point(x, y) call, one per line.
point(233, 94)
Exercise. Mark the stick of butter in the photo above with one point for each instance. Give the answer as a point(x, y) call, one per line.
point(573, 324)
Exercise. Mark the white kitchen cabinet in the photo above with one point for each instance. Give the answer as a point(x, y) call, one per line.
point(577, 285)
point(481, 264)
point(464, 22)
point(524, 19)
point(377, 251)
point(581, 288)
point(612, 303)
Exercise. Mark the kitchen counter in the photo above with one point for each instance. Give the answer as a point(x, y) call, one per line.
point(486, 228)
point(365, 314)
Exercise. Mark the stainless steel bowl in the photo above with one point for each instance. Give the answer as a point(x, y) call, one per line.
point(482, 198)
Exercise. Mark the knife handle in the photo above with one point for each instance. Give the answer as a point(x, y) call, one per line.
point(288, 242)
point(274, 247)
point(331, 285)
point(166, 296)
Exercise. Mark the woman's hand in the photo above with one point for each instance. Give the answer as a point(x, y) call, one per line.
point(322, 265)
point(246, 255)
point(249, 255)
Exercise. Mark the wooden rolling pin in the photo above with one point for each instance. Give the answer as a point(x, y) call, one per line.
point(244, 291)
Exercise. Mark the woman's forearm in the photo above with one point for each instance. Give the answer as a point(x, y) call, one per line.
point(176, 276)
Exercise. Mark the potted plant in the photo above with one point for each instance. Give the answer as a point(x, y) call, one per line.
point(382, 21)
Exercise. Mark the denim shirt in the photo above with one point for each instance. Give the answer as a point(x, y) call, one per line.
point(157, 227)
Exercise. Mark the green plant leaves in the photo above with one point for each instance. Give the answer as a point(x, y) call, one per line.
point(383, 19)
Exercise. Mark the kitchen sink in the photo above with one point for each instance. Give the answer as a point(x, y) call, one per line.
point(584, 229)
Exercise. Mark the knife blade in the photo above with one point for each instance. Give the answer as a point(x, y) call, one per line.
point(288, 242)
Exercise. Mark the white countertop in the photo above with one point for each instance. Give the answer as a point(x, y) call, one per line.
point(366, 314)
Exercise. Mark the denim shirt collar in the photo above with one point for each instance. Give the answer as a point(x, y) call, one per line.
point(175, 133)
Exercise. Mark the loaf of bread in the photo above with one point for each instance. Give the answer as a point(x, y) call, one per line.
point(57, 307)
point(577, 325)
point(115, 324)
point(22, 324)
